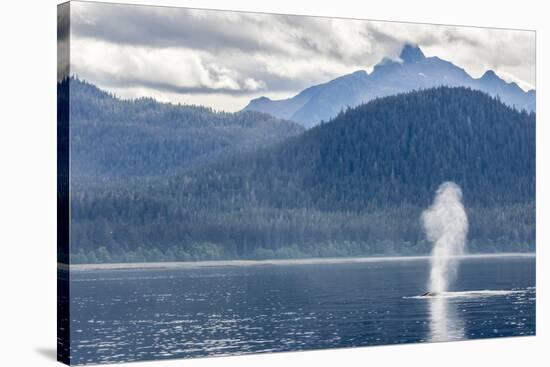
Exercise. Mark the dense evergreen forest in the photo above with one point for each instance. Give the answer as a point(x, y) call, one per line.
point(114, 138)
point(353, 186)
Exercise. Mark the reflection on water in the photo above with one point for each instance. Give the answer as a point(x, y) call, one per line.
point(136, 315)
point(445, 322)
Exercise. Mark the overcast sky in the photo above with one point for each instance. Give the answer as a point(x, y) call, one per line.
point(223, 59)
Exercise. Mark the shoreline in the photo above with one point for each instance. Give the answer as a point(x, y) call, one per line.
point(274, 262)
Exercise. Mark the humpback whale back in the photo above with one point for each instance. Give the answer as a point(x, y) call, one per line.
point(429, 294)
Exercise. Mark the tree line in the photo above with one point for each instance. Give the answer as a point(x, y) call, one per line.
point(354, 186)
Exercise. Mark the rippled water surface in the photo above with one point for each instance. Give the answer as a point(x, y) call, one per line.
point(126, 315)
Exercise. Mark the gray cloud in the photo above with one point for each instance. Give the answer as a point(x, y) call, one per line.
point(63, 22)
point(160, 27)
point(117, 81)
point(204, 52)
point(63, 32)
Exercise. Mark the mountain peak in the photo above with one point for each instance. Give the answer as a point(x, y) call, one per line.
point(261, 99)
point(411, 53)
point(360, 73)
point(490, 74)
point(413, 71)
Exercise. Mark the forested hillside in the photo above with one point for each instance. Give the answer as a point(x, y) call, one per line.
point(118, 138)
point(392, 151)
point(353, 186)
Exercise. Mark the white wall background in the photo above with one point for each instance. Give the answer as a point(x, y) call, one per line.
point(28, 184)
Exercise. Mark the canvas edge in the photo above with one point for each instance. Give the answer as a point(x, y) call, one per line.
point(63, 215)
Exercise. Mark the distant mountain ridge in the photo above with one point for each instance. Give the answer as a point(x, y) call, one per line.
point(112, 137)
point(412, 72)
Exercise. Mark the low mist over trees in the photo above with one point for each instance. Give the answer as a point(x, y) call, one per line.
point(353, 186)
point(114, 138)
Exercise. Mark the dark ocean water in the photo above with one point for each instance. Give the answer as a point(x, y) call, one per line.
point(128, 315)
